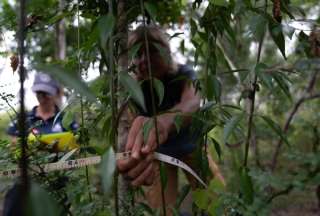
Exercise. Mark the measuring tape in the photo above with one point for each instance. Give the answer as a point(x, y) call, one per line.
point(81, 162)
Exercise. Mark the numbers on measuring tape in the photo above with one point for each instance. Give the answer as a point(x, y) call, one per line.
point(77, 163)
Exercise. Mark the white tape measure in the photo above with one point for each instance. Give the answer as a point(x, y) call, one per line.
point(166, 159)
point(81, 162)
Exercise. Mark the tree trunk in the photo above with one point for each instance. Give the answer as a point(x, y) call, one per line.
point(124, 197)
point(60, 52)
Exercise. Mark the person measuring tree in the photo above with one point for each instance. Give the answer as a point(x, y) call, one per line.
point(153, 62)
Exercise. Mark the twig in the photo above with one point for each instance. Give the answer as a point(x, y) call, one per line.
point(290, 187)
point(305, 96)
point(251, 111)
point(85, 141)
point(152, 100)
point(23, 163)
point(114, 107)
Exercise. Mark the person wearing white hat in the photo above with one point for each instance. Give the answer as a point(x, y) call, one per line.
point(42, 118)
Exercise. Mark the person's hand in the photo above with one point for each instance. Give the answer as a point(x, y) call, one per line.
point(139, 168)
point(135, 141)
point(139, 172)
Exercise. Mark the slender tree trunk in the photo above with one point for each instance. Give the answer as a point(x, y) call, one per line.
point(124, 197)
point(60, 48)
point(60, 52)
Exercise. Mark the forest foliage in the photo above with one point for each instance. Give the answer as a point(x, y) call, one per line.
point(257, 64)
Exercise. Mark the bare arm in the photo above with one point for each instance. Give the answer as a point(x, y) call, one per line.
point(189, 103)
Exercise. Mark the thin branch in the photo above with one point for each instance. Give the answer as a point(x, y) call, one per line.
point(313, 96)
point(305, 96)
point(290, 187)
point(3, 97)
point(84, 141)
point(23, 163)
point(152, 100)
point(251, 111)
point(290, 70)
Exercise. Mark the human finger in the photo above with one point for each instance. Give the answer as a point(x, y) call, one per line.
point(150, 179)
point(126, 164)
point(137, 146)
point(141, 178)
point(142, 165)
point(134, 130)
point(151, 143)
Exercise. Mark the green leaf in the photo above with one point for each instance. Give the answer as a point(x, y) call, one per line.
point(178, 120)
point(163, 175)
point(193, 27)
point(246, 186)
point(175, 212)
point(282, 84)
point(265, 78)
point(215, 208)
point(41, 203)
point(151, 9)
point(216, 147)
point(68, 79)
point(216, 185)
point(59, 17)
point(290, 31)
point(231, 125)
point(133, 88)
point(213, 88)
point(159, 87)
point(182, 195)
point(107, 168)
point(258, 26)
point(182, 47)
point(223, 3)
point(163, 52)
point(134, 50)
point(146, 208)
point(106, 24)
point(217, 88)
point(201, 198)
point(67, 120)
point(147, 126)
point(304, 43)
point(276, 128)
point(276, 33)
point(285, 8)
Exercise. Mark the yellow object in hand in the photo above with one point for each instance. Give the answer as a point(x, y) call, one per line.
point(64, 141)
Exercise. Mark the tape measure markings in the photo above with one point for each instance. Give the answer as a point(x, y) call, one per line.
point(81, 162)
point(166, 159)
